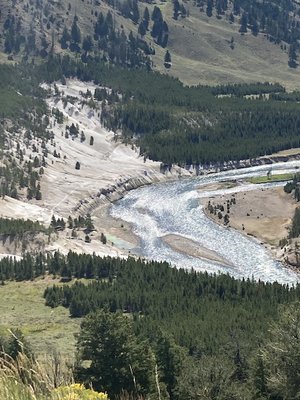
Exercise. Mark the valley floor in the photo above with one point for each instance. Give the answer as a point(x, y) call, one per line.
point(265, 214)
point(108, 169)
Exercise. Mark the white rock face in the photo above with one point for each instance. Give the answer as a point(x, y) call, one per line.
point(108, 168)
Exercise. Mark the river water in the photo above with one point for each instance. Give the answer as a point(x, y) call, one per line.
point(174, 208)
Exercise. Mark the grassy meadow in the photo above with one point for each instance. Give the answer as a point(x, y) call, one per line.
point(48, 330)
point(271, 178)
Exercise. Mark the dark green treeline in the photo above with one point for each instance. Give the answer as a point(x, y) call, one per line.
point(173, 123)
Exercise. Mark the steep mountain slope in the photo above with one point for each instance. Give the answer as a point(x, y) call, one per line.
point(204, 49)
point(47, 142)
point(212, 51)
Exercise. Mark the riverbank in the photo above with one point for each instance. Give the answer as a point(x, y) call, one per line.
point(192, 248)
point(262, 213)
point(108, 169)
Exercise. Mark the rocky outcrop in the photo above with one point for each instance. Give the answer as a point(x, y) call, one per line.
point(117, 190)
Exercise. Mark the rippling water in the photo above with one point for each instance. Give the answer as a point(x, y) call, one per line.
point(174, 208)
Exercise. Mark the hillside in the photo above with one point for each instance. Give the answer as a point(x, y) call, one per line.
point(201, 53)
point(91, 107)
point(106, 169)
point(204, 49)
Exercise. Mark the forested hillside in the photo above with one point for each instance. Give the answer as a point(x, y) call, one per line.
point(182, 333)
point(170, 122)
point(183, 125)
point(201, 40)
point(23, 114)
point(148, 331)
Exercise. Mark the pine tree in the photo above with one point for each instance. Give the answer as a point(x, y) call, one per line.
point(167, 60)
point(135, 14)
point(209, 8)
point(292, 56)
point(108, 343)
point(156, 14)
point(87, 44)
point(244, 22)
point(176, 9)
point(75, 36)
point(142, 29)
point(254, 28)
point(146, 18)
point(236, 7)
point(281, 355)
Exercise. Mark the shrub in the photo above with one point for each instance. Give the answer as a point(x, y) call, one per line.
point(77, 391)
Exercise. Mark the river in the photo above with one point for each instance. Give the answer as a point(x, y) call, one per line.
point(158, 210)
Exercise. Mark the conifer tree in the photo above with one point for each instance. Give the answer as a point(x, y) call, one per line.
point(146, 18)
point(167, 60)
point(107, 342)
point(209, 8)
point(75, 36)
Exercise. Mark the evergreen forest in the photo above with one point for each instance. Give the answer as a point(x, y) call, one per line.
point(149, 331)
point(184, 333)
point(184, 125)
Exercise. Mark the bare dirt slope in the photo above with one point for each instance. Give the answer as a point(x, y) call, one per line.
point(102, 164)
point(263, 213)
point(108, 168)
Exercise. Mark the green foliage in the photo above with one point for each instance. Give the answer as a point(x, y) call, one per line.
point(293, 186)
point(170, 296)
point(58, 224)
point(295, 228)
point(202, 329)
point(19, 226)
point(272, 178)
point(11, 103)
point(283, 96)
point(77, 391)
point(103, 238)
point(281, 355)
point(167, 59)
point(244, 89)
point(116, 359)
point(27, 268)
point(17, 90)
point(188, 125)
point(276, 19)
point(115, 45)
point(185, 334)
point(22, 103)
point(75, 32)
point(15, 344)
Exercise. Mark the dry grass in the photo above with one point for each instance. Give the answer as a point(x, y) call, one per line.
point(199, 46)
point(286, 153)
point(201, 53)
point(263, 213)
point(25, 378)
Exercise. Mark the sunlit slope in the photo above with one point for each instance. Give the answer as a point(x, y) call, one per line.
point(201, 53)
point(203, 50)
